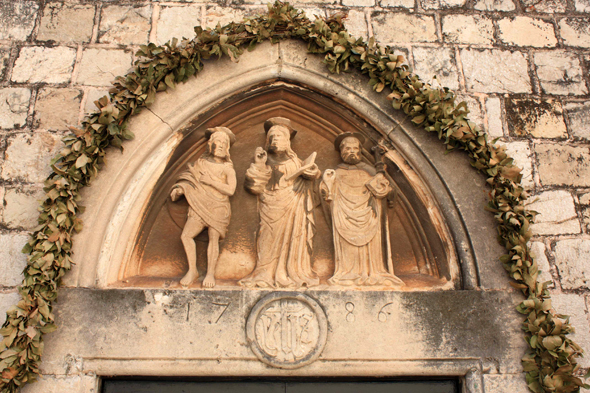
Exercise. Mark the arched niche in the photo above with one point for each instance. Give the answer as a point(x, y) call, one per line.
point(422, 249)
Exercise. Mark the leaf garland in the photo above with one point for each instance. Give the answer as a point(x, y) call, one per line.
point(550, 364)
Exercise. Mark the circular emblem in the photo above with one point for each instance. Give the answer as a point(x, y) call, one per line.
point(287, 330)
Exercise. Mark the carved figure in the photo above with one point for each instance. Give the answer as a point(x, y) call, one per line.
point(355, 192)
point(284, 186)
point(207, 185)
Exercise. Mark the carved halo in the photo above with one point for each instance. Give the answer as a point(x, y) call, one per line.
point(211, 131)
point(279, 121)
point(341, 137)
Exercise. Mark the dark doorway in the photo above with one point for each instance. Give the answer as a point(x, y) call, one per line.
point(135, 386)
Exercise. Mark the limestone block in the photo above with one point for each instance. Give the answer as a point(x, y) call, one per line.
point(311, 12)
point(14, 106)
point(442, 4)
point(538, 253)
point(495, 71)
point(502, 383)
point(4, 58)
point(17, 19)
point(557, 213)
point(575, 31)
point(582, 5)
point(99, 67)
point(494, 111)
point(585, 199)
point(27, 156)
point(563, 165)
point(474, 106)
point(66, 22)
point(468, 29)
point(62, 383)
point(40, 64)
point(436, 62)
point(560, 73)
point(545, 6)
point(358, 3)
point(92, 96)
point(7, 300)
point(20, 211)
point(12, 260)
point(56, 109)
point(125, 24)
point(395, 27)
point(222, 15)
point(586, 219)
point(522, 155)
point(178, 22)
point(572, 258)
point(575, 307)
point(536, 117)
point(356, 24)
point(494, 5)
point(578, 114)
point(397, 3)
point(525, 31)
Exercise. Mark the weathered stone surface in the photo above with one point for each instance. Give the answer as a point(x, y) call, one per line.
point(572, 258)
point(393, 27)
point(7, 300)
point(21, 206)
point(494, 5)
point(27, 156)
point(575, 31)
point(56, 109)
point(524, 31)
point(62, 383)
point(584, 199)
point(536, 117)
point(575, 307)
point(475, 112)
point(545, 6)
point(436, 62)
point(560, 73)
point(358, 3)
point(441, 4)
point(582, 5)
point(39, 64)
point(563, 165)
point(521, 152)
point(356, 24)
point(557, 213)
point(397, 3)
point(586, 219)
point(4, 58)
point(502, 383)
point(99, 67)
point(125, 25)
point(538, 252)
point(91, 96)
point(178, 22)
point(494, 114)
point(222, 15)
point(12, 260)
point(17, 19)
point(14, 106)
point(495, 71)
point(468, 29)
point(578, 114)
point(66, 22)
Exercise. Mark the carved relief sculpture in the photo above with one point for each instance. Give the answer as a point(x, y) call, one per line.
point(284, 186)
point(355, 192)
point(207, 185)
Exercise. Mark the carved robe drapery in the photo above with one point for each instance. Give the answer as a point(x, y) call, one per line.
point(355, 195)
point(284, 243)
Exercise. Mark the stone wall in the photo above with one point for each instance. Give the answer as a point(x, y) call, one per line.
point(522, 66)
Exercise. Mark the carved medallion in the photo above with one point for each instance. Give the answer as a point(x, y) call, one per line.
point(287, 330)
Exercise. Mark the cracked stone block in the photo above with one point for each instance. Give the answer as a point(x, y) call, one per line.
point(222, 15)
point(27, 156)
point(395, 27)
point(439, 63)
point(560, 73)
point(557, 213)
point(538, 253)
point(4, 58)
point(575, 31)
point(17, 19)
point(40, 64)
point(560, 164)
point(574, 305)
point(494, 113)
point(494, 5)
point(20, 211)
point(12, 260)
point(397, 3)
point(572, 258)
point(56, 109)
point(356, 24)
point(66, 23)
point(502, 383)
point(582, 5)
point(14, 106)
point(125, 25)
point(474, 106)
point(524, 31)
point(468, 29)
point(441, 4)
point(523, 158)
point(579, 119)
point(94, 95)
point(495, 71)
point(178, 22)
point(536, 117)
point(545, 6)
point(99, 67)
point(7, 300)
